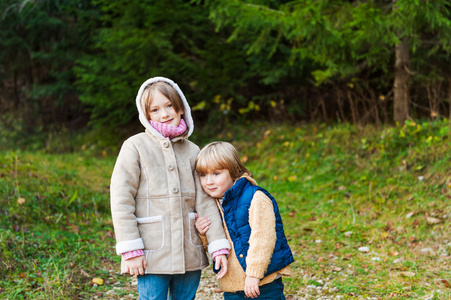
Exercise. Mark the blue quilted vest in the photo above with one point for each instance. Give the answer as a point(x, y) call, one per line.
point(236, 204)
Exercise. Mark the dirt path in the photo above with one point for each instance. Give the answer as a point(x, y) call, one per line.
point(208, 287)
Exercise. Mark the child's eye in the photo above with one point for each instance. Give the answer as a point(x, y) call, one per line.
point(154, 110)
point(202, 175)
point(216, 173)
point(169, 105)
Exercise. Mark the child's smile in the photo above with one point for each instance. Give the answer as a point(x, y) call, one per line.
point(162, 111)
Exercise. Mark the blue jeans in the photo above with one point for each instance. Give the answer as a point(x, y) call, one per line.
point(270, 291)
point(179, 286)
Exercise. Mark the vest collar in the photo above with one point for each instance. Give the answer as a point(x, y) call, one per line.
point(236, 190)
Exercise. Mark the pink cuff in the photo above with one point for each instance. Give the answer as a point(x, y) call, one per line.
point(134, 253)
point(220, 252)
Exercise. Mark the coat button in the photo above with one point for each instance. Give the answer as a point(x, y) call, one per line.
point(171, 167)
point(241, 255)
point(165, 144)
point(175, 190)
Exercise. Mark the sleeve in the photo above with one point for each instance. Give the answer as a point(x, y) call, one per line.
point(132, 254)
point(206, 207)
point(123, 189)
point(263, 235)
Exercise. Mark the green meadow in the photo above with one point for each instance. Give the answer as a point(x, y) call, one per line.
point(366, 211)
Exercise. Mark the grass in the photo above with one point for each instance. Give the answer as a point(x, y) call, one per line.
point(339, 188)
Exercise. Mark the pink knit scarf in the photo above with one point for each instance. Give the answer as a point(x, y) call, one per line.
point(169, 131)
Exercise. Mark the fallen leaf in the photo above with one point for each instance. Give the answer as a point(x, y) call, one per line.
point(348, 233)
point(97, 281)
point(347, 256)
point(446, 283)
point(292, 178)
point(384, 235)
point(432, 220)
point(83, 272)
point(336, 269)
point(410, 214)
point(292, 213)
point(320, 259)
point(21, 201)
point(364, 249)
point(408, 274)
point(74, 228)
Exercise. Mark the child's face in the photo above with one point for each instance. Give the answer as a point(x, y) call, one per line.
point(162, 111)
point(215, 183)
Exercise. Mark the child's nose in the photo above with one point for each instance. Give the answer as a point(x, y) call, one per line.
point(209, 179)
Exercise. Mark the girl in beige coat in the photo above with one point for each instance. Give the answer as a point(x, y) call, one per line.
point(155, 195)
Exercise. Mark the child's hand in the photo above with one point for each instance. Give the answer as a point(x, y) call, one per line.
point(251, 288)
point(202, 224)
point(136, 265)
point(221, 261)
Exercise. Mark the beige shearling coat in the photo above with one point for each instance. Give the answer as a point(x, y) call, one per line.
point(155, 193)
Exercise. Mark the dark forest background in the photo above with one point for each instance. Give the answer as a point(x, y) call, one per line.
point(71, 65)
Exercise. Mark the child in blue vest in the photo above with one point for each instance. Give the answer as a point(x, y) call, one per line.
point(260, 254)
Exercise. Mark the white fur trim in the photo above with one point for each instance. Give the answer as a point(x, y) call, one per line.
point(218, 245)
point(126, 246)
point(186, 114)
point(147, 220)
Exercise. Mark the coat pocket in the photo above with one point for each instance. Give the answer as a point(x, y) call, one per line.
point(193, 234)
point(152, 232)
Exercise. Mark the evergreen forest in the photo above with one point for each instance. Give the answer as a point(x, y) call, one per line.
point(66, 65)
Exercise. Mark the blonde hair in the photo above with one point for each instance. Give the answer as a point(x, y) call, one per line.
point(218, 156)
point(167, 90)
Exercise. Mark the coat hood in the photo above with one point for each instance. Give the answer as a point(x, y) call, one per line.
point(142, 117)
